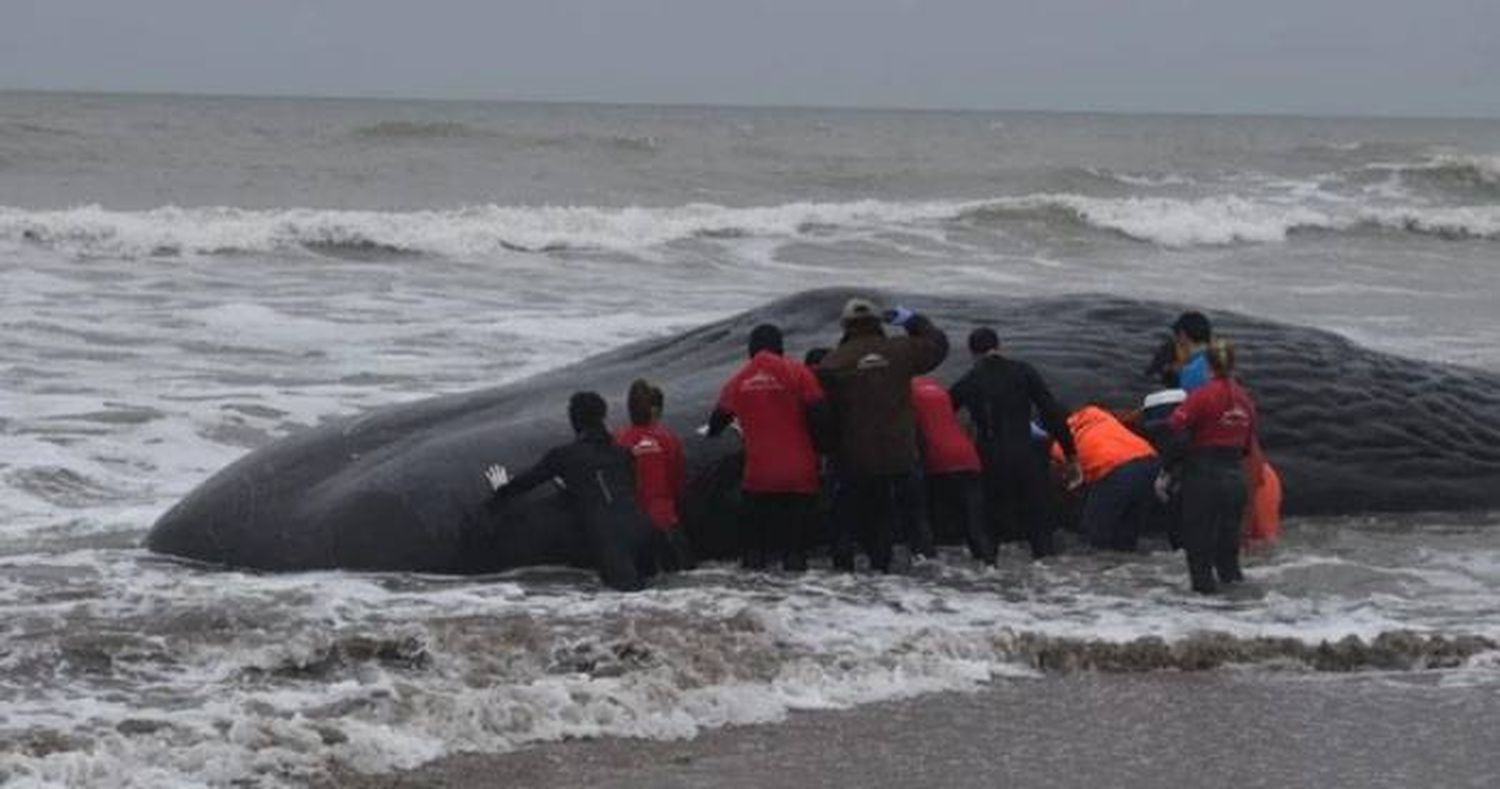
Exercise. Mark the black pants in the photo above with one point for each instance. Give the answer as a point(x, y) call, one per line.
point(1213, 509)
point(871, 509)
point(1116, 506)
point(669, 550)
point(955, 505)
point(619, 544)
point(776, 525)
point(1018, 498)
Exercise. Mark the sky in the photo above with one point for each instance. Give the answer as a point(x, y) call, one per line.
point(1311, 57)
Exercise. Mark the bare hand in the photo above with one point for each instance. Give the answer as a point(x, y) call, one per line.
point(1075, 476)
point(497, 476)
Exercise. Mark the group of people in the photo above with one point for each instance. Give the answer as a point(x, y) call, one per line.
point(858, 440)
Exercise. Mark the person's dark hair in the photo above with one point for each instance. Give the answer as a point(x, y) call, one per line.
point(1195, 325)
point(587, 410)
point(766, 337)
point(644, 402)
point(1163, 364)
point(983, 340)
point(814, 357)
point(1221, 358)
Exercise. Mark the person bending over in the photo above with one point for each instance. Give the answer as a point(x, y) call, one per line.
point(1220, 419)
point(1119, 473)
point(660, 474)
point(1000, 394)
point(598, 480)
point(868, 377)
point(777, 402)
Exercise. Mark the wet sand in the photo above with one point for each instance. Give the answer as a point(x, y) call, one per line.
point(1185, 730)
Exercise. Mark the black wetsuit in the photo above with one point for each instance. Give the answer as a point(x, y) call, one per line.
point(1000, 395)
point(599, 478)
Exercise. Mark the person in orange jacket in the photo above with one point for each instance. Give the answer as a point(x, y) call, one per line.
point(1119, 471)
point(950, 462)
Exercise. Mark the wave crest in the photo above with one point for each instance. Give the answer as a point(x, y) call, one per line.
point(1225, 220)
point(478, 232)
point(1462, 175)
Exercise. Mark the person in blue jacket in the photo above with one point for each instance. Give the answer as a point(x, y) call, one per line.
point(1192, 333)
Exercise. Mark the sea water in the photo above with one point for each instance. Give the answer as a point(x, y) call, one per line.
point(186, 279)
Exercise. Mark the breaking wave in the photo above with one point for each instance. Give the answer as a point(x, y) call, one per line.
point(1218, 221)
point(481, 231)
point(1465, 175)
point(460, 233)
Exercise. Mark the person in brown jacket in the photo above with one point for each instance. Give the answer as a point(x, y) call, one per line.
point(868, 381)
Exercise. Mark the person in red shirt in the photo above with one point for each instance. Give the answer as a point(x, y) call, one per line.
point(778, 402)
point(1119, 469)
point(660, 473)
point(950, 463)
point(1219, 418)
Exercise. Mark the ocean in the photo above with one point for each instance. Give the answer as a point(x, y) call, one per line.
point(189, 278)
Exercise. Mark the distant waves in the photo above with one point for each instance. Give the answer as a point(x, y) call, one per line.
point(478, 232)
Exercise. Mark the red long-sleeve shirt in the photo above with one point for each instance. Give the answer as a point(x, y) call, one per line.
point(946, 449)
point(660, 470)
point(770, 396)
point(1218, 414)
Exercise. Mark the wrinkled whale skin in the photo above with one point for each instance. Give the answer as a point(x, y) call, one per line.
point(402, 488)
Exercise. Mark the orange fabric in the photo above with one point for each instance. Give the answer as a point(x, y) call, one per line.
point(1263, 516)
point(1104, 443)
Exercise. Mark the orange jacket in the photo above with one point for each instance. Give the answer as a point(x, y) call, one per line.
point(1104, 443)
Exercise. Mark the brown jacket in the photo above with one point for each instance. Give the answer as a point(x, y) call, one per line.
point(868, 379)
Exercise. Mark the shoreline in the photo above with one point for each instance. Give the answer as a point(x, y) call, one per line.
point(1151, 730)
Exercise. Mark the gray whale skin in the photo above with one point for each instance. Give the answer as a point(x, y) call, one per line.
point(401, 488)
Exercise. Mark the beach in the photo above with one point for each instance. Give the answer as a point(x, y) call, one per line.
point(1076, 731)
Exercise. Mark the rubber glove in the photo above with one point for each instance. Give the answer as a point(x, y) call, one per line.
point(898, 316)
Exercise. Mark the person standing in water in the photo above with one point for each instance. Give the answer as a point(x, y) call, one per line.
point(1220, 420)
point(777, 402)
point(598, 480)
point(660, 473)
point(1192, 333)
point(955, 498)
point(1001, 394)
point(868, 377)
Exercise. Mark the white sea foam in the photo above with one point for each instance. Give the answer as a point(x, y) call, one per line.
point(460, 233)
point(483, 232)
point(1463, 167)
point(221, 676)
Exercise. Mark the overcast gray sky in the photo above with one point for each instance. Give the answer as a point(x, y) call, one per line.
point(1438, 57)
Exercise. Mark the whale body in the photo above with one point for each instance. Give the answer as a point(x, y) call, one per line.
point(1351, 430)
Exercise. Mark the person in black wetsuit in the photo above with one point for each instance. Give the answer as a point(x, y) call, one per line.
point(598, 477)
point(1000, 395)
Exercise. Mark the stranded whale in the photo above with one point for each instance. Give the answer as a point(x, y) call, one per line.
point(401, 488)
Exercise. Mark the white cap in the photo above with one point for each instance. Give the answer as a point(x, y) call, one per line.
point(1164, 397)
point(858, 309)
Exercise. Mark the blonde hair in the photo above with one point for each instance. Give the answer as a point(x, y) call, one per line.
point(1221, 357)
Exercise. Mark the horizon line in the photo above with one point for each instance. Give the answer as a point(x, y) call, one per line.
point(374, 97)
